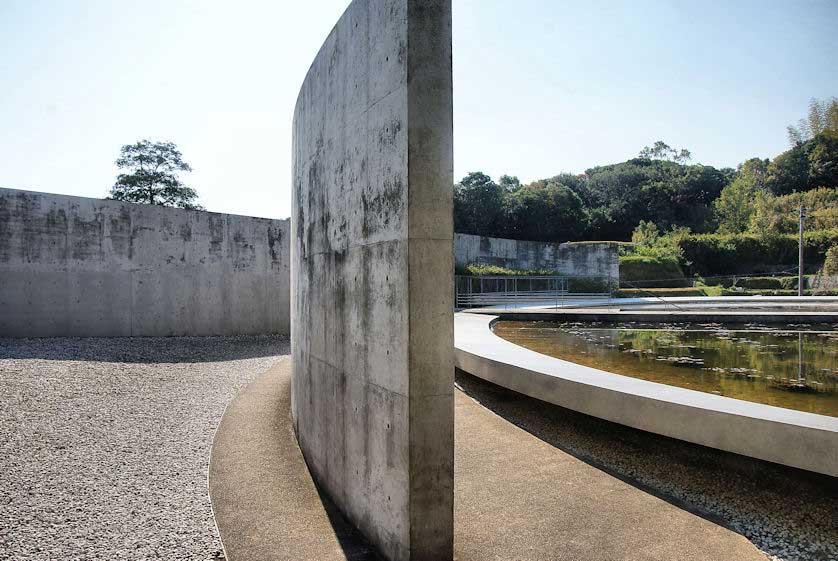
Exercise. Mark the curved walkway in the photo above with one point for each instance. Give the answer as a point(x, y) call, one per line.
point(516, 496)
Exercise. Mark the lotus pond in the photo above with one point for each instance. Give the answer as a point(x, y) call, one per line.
point(791, 366)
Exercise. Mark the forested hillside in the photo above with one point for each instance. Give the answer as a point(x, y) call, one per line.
point(661, 186)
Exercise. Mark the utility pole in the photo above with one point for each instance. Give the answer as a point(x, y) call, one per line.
point(800, 255)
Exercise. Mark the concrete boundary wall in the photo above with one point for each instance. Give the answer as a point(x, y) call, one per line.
point(784, 436)
point(74, 266)
point(588, 259)
point(372, 263)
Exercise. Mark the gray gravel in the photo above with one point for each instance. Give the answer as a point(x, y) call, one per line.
point(788, 514)
point(104, 443)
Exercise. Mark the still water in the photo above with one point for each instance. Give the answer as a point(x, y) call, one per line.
point(792, 366)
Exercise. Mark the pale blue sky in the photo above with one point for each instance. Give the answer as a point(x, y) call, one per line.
point(540, 86)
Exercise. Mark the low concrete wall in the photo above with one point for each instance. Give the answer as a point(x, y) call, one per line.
point(589, 259)
point(73, 266)
point(372, 332)
point(792, 438)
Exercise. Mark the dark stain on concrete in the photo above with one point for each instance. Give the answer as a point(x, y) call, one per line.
point(186, 232)
point(275, 244)
point(379, 207)
point(86, 236)
point(242, 250)
point(216, 247)
point(121, 236)
point(5, 229)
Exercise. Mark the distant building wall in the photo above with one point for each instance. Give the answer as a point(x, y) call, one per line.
point(73, 266)
point(589, 259)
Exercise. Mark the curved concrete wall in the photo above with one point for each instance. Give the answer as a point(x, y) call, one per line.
point(372, 332)
point(793, 438)
point(73, 266)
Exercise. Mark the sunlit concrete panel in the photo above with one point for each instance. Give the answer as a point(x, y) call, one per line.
point(372, 262)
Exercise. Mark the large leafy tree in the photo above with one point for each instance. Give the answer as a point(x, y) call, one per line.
point(736, 204)
point(808, 165)
point(478, 205)
point(151, 176)
point(550, 213)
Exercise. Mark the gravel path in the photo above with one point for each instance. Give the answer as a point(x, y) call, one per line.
point(104, 443)
point(789, 515)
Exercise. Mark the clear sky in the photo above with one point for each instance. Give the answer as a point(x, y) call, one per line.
point(540, 86)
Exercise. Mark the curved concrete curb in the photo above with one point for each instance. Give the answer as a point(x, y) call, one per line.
point(792, 438)
point(265, 504)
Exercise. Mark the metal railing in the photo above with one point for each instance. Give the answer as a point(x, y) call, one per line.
point(510, 291)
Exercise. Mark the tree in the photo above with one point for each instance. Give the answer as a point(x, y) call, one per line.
point(509, 182)
point(645, 234)
point(550, 213)
point(662, 151)
point(736, 203)
point(478, 205)
point(808, 165)
point(822, 116)
point(152, 176)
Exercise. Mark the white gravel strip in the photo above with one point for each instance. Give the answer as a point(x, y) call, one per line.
point(105, 442)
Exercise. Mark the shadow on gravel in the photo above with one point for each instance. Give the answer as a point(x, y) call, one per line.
point(149, 350)
point(777, 508)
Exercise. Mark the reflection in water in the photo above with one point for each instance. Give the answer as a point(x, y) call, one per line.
point(794, 367)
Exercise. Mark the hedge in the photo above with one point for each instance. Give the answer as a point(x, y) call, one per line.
point(644, 270)
point(495, 270)
point(712, 291)
point(662, 292)
point(719, 254)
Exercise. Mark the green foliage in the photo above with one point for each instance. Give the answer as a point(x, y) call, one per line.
point(659, 188)
point(666, 193)
point(552, 213)
point(660, 150)
point(574, 284)
point(650, 243)
point(478, 205)
point(646, 234)
point(766, 283)
point(807, 165)
point(152, 176)
point(775, 215)
point(665, 292)
point(735, 205)
point(495, 270)
point(822, 116)
point(720, 254)
point(639, 268)
point(830, 264)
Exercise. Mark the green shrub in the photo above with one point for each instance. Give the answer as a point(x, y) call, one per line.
point(495, 270)
point(587, 284)
point(830, 265)
point(662, 292)
point(720, 254)
point(646, 270)
point(774, 283)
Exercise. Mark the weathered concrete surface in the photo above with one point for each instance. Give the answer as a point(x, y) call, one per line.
point(784, 436)
point(372, 254)
point(517, 497)
point(588, 259)
point(73, 266)
point(265, 503)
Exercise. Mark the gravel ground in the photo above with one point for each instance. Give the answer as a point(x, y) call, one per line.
point(104, 443)
point(788, 514)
